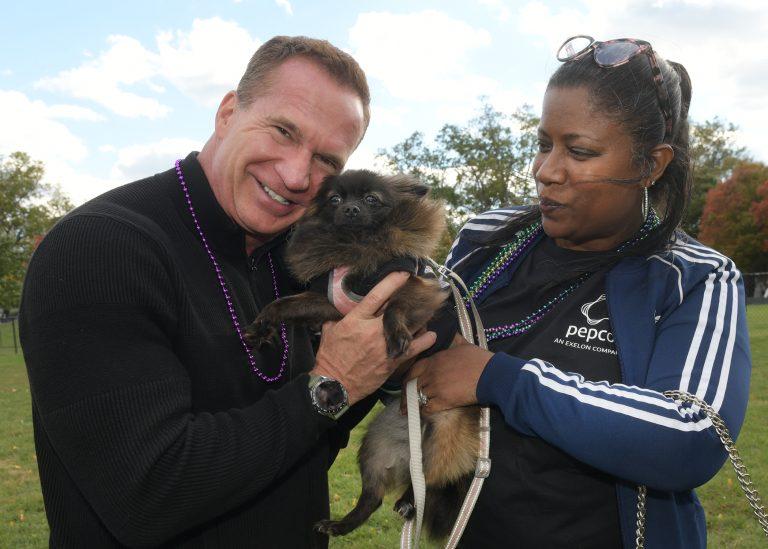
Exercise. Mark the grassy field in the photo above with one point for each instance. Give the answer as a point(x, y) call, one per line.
point(22, 517)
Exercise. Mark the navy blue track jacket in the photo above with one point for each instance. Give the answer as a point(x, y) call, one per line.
point(679, 323)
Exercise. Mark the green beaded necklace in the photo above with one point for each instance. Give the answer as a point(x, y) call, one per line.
point(511, 251)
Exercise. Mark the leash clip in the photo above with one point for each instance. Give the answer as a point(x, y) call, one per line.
point(483, 467)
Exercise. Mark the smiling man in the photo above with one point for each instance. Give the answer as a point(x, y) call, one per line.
point(155, 424)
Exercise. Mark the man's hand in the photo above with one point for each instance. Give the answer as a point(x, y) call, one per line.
point(353, 350)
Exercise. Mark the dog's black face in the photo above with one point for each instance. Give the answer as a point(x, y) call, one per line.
point(355, 201)
point(359, 199)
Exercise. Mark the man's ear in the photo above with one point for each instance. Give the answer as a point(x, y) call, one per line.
point(661, 156)
point(224, 113)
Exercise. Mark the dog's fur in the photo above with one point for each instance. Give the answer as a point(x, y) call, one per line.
point(344, 226)
point(399, 221)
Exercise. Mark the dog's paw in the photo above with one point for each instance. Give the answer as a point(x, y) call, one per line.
point(405, 509)
point(260, 333)
point(397, 342)
point(329, 527)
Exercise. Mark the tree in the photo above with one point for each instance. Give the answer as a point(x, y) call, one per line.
point(28, 208)
point(481, 165)
point(732, 220)
point(713, 157)
point(759, 211)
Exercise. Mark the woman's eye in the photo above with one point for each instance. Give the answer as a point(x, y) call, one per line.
point(335, 200)
point(582, 153)
point(371, 200)
point(282, 131)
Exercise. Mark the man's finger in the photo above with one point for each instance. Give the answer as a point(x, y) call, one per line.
point(379, 294)
point(327, 325)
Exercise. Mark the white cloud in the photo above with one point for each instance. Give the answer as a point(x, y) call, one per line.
point(202, 63)
point(207, 61)
point(286, 5)
point(498, 7)
point(74, 112)
point(723, 45)
point(141, 160)
point(103, 80)
point(32, 127)
point(388, 116)
point(420, 56)
point(364, 159)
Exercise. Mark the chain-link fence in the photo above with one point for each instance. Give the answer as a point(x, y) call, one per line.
point(756, 292)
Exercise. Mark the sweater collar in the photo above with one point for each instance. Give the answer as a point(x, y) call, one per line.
point(224, 236)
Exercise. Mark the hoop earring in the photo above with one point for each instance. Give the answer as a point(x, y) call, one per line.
point(645, 203)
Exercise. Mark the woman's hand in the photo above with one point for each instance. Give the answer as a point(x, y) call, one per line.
point(449, 378)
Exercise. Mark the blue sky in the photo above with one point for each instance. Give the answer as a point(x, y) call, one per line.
point(104, 94)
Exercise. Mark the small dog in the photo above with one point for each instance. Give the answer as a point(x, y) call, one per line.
point(358, 223)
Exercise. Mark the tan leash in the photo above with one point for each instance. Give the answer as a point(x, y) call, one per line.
point(473, 331)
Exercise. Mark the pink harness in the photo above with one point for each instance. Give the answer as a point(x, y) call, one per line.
point(339, 295)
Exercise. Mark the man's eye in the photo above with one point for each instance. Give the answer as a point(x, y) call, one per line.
point(544, 146)
point(335, 200)
point(328, 162)
point(371, 200)
point(283, 131)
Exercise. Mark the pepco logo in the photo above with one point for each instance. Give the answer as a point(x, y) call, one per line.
point(590, 334)
point(587, 306)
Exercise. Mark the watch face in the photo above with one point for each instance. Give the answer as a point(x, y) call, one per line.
point(330, 394)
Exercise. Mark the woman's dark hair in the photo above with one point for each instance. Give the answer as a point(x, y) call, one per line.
point(628, 94)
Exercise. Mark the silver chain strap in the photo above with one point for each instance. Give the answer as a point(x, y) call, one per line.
point(738, 465)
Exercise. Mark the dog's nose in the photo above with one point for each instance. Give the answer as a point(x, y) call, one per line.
point(351, 211)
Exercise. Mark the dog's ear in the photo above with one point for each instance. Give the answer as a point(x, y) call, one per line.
point(419, 189)
point(410, 185)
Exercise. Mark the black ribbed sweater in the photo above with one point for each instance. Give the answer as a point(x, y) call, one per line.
point(150, 427)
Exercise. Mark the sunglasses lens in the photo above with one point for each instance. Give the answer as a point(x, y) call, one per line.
point(615, 53)
point(573, 47)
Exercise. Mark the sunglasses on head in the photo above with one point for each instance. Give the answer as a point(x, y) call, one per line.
point(614, 53)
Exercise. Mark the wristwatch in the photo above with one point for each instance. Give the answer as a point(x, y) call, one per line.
point(328, 395)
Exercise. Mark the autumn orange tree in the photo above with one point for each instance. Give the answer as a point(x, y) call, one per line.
point(735, 217)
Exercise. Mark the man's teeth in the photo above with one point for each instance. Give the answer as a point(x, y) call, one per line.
point(276, 197)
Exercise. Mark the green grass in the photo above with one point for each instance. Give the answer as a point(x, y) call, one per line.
point(22, 517)
point(730, 522)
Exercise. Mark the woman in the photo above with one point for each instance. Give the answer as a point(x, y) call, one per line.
point(594, 305)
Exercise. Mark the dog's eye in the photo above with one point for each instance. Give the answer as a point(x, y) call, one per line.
point(371, 200)
point(335, 200)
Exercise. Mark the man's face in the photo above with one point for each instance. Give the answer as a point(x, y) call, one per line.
point(271, 156)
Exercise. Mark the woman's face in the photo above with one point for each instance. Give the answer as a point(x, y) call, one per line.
point(579, 150)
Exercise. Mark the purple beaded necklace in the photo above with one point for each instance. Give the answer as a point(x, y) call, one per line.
point(225, 290)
